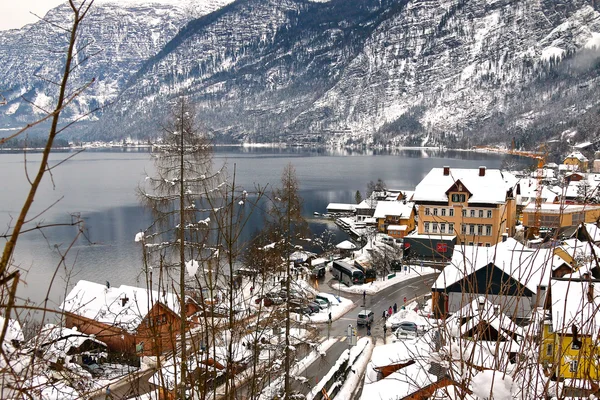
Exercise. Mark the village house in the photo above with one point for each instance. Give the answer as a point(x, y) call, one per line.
point(588, 233)
point(569, 350)
point(561, 215)
point(508, 275)
point(577, 159)
point(396, 218)
point(128, 319)
point(476, 205)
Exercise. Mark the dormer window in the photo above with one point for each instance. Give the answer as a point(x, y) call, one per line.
point(459, 198)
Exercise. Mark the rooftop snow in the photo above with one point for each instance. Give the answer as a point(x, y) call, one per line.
point(103, 304)
point(488, 189)
point(393, 208)
point(531, 267)
point(571, 306)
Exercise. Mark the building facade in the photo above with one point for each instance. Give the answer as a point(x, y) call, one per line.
point(475, 205)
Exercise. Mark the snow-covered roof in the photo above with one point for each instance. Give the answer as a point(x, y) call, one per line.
point(479, 310)
point(393, 208)
point(364, 205)
point(405, 381)
point(346, 245)
point(581, 252)
point(13, 332)
point(577, 155)
point(583, 145)
point(557, 208)
point(571, 305)
point(530, 267)
point(61, 341)
point(488, 189)
point(341, 207)
point(593, 231)
point(301, 255)
point(528, 192)
point(397, 227)
point(103, 304)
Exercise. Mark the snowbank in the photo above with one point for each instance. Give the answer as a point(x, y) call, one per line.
point(337, 311)
point(348, 391)
point(376, 286)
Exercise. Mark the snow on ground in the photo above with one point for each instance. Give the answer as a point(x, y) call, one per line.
point(337, 311)
point(270, 391)
point(351, 355)
point(349, 388)
point(376, 286)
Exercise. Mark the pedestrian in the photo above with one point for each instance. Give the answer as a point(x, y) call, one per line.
point(390, 311)
point(251, 290)
point(384, 315)
point(364, 296)
point(330, 317)
point(108, 395)
point(368, 329)
point(384, 330)
point(395, 308)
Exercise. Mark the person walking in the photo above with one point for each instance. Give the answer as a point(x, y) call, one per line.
point(364, 297)
point(395, 308)
point(329, 317)
point(383, 315)
point(368, 328)
point(384, 330)
point(390, 311)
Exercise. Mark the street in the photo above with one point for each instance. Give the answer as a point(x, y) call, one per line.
point(411, 289)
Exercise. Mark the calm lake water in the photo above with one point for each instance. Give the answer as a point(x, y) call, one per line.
point(100, 186)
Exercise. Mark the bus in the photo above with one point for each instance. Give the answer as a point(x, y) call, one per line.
point(347, 274)
point(367, 270)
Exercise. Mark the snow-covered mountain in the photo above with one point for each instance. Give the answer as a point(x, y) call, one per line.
point(364, 71)
point(116, 38)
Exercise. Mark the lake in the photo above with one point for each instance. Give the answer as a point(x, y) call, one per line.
point(100, 186)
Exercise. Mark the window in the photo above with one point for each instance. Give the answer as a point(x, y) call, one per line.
point(427, 211)
point(573, 366)
point(455, 198)
point(548, 349)
point(473, 213)
point(470, 243)
point(426, 226)
point(487, 245)
point(479, 230)
point(435, 211)
point(480, 244)
point(464, 213)
point(489, 214)
point(443, 212)
point(434, 226)
point(463, 198)
point(480, 213)
point(451, 212)
point(451, 228)
point(463, 229)
point(471, 229)
point(442, 228)
point(458, 198)
point(488, 230)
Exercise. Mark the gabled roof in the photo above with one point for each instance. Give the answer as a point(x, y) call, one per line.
point(488, 189)
point(593, 232)
point(571, 305)
point(577, 155)
point(483, 310)
point(58, 341)
point(393, 208)
point(530, 267)
point(103, 304)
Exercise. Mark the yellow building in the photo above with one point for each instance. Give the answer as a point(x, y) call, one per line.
point(577, 159)
point(561, 215)
point(475, 205)
point(396, 218)
point(570, 348)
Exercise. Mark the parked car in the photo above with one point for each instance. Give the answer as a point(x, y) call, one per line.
point(318, 272)
point(324, 297)
point(406, 326)
point(275, 298)
point(323, 303)
point(315, 307)
point(365, 316)
point(299, 307)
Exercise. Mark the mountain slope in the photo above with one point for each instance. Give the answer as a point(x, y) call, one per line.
point(116, 38)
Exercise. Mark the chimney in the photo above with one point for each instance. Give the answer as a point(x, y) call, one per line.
point(124, 301)
point(481, 171)
point(446, 170)
point(504, 237)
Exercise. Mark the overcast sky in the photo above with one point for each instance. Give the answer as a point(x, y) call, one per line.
point(16, 13)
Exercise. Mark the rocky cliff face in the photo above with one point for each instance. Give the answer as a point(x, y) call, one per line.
point(114, 41)
point(366, 71)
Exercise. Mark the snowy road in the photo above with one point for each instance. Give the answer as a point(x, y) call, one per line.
point(410, 288)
